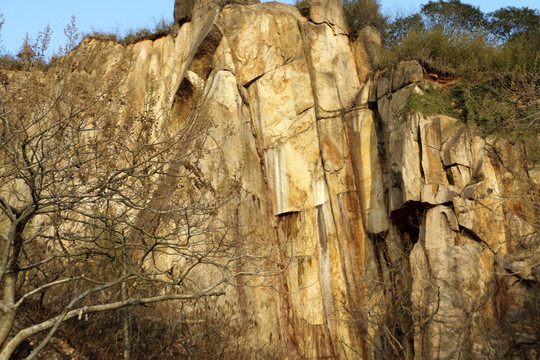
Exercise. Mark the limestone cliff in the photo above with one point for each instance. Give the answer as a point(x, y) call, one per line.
point(403, 235)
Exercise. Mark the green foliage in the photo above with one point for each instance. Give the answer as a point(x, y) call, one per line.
point(362, 13)
point(504, 106)
point(509, 22)
point(433, 100)
point(452, 16)
point(401, 27)
point(103, 35)
point(482, 105)
point(134, 35)
point(459, 55)
point(457, 39)
point(358, 14)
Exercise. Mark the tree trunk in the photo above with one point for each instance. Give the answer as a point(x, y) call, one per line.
point(9, 310)
point(125, 323)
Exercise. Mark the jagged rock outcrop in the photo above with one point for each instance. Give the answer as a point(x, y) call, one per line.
point(403, 234)
point(466, 200)
point(183, 9)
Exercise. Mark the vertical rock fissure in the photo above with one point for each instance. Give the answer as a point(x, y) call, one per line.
point(321, 218)
point(325, 275)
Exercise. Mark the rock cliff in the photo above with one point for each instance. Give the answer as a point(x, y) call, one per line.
point(400, 235)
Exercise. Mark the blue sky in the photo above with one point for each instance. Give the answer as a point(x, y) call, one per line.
point(32, 16)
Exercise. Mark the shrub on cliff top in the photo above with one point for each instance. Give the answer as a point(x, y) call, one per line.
point(495, 56)
point(460, 39)
point(358, 14)
point(161, 28)
point(362, 13)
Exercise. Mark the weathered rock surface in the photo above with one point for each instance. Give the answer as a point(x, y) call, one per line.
point(330, 13)
point(405, 236)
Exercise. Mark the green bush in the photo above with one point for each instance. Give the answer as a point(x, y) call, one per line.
point(494, 62)
point(433, 100)
point(362, 13)
point(461, 55)
point(358, 14)
point(504, 106)
point(459, 39)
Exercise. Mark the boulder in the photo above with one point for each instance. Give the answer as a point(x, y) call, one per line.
point(406, 72)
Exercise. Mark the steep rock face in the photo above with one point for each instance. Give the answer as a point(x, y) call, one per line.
point(463, 190)
point(399, 234)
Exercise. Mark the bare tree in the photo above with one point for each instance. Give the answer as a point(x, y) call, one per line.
point(97, 205)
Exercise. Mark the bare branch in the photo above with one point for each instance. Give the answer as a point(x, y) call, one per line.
point(55, 322)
